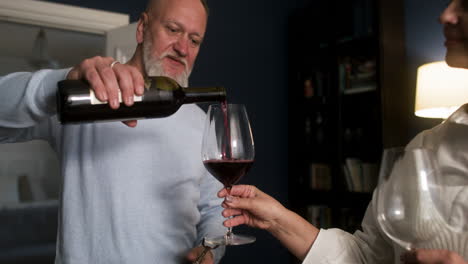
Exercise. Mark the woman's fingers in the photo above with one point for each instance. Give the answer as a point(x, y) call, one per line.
point(235, 221)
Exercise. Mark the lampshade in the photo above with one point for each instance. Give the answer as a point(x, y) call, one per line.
point(440, 90)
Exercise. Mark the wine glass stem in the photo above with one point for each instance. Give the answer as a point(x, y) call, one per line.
point(229, 231)
point(228, 236)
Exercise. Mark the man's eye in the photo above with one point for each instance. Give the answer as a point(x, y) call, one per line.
point(172, 29)
point(196, 42)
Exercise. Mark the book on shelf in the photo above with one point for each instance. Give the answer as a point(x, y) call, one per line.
point(309, 88)
point(360, 176)
point(315, 125)
point(319, 215)
point(315, 83)
point(320, 176)
point(361, 89)
point(357, 75)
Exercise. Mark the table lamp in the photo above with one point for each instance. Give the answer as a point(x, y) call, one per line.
point(440, 90)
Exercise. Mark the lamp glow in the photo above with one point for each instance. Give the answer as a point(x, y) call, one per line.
point(440, 90)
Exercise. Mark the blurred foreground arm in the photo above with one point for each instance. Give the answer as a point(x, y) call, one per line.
point(432, 256)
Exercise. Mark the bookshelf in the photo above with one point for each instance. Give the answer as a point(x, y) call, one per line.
point(345, 66)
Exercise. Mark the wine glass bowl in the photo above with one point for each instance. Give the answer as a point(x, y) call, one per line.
point(228, 153)
point(228, 171)
point(409, 198)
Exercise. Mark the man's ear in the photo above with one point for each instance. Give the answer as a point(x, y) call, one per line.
point(141, 26)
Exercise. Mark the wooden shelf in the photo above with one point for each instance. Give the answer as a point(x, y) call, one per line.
point(361, 90)
point(333, 198)
point(356, 122)
point(316, 100)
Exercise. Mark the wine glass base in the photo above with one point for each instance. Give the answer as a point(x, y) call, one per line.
point(231, 240)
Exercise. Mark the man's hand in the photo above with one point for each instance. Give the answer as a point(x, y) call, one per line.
point(106, 81)
point(432, 256)
point(195, 252)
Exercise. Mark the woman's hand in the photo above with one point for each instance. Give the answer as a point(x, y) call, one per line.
point(248, 205)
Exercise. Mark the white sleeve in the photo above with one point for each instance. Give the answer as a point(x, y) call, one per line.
point(338, 246)
point(27, 100)
point(369, 245)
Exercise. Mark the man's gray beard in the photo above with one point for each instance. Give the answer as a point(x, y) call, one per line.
point(154, 65)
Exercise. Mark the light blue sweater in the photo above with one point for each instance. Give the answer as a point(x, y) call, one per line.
point(129, 195)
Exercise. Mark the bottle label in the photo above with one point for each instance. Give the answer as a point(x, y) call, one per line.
point(95, 101)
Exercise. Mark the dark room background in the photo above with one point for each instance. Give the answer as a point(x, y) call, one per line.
point(424, 44)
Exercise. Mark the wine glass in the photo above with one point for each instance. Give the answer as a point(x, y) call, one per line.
point(228, 153)
point(410, 201)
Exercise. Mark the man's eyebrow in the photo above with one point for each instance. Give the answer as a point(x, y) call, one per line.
point(182, 26)
point(196, 34)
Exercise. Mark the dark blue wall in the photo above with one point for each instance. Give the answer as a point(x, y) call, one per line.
point(424, 43)
point(245, 51)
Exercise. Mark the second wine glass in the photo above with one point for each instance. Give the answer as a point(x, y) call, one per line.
point(410, 197)
point(228, 153)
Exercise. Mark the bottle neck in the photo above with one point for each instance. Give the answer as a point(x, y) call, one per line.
point(204, 94)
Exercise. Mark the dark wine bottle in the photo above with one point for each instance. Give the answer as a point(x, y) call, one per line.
point(76, 102)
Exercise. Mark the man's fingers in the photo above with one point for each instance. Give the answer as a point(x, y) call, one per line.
point(138, 81)
point(126, 83)
point(195, 253)
point(90, 69)
point(130, 123)
point(111, 82)
point(94, 80)
point(74, 74)
point(112, 88)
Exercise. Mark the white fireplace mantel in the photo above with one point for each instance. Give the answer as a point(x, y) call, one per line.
point(61, 16)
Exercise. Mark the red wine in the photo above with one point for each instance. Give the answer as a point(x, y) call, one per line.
point(224, 108)
point(76, 102)
point(228, 171)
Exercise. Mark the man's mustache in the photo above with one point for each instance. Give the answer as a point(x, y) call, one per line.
point(176, 58)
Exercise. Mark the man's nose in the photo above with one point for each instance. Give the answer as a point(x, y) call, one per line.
point(449, 15)
point(181, 46)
